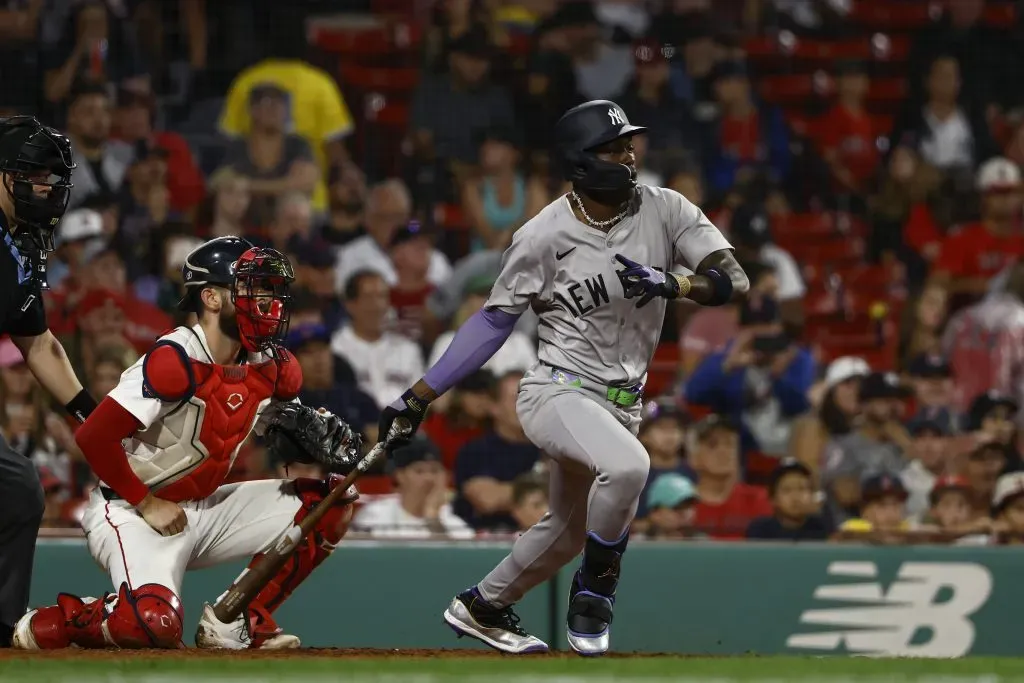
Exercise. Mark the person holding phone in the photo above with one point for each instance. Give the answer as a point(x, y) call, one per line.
point(761, 378)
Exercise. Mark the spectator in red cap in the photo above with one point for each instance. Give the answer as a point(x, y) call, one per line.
point(882, 506)
point(100, 321)
point(726, 505)
point(973, 254)
point(795, 517)
point(53, 495)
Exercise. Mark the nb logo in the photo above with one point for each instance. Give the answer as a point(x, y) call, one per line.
point(925, 612)
point(616, 117)
point(28, 302)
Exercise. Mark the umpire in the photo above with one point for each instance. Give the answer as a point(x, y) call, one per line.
point(35, 172)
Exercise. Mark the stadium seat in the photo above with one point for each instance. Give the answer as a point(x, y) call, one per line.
point(892, 16)
point(382, 79)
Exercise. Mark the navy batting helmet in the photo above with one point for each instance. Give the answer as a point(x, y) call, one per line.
point(584, 128)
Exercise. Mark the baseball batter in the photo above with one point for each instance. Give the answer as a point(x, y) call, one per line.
point(182, 413)
point(596, 267)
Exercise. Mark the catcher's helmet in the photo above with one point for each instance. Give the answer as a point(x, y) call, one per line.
point(584, 128)
point(259, 280)
point(39, 163)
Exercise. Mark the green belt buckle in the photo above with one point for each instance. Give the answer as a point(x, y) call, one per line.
point(622, 397)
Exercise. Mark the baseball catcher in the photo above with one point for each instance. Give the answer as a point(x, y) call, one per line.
point(162, 508)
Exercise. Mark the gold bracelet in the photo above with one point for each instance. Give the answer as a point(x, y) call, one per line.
point(684, 284)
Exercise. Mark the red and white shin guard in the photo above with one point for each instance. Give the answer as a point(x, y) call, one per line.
point(149, 616)
point(260, 629)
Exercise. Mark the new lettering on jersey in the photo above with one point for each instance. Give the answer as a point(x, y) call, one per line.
point(567, 272)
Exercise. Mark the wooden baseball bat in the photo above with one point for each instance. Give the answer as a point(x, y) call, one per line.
point(251, 581)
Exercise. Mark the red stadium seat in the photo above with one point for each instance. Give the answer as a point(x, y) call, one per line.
point(796, 88)
point(376, 485)
point(1000, 15)
point(888, 90)
point(368, 78)
point(892, 16)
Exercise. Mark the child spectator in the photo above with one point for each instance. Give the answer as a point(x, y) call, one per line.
point(726, 505)
point(795, 518)
point(982, 469)
point(1008, 507)
point(951, 513)
point(882, 507)
point(529, 499)
point(663, 434)
point(991, 418)
point(671, 501)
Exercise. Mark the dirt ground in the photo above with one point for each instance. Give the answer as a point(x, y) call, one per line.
point(193, 653)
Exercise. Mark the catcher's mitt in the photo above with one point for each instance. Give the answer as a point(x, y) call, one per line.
point(299, 434)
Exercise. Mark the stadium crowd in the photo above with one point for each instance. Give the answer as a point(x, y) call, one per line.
point(863, 157)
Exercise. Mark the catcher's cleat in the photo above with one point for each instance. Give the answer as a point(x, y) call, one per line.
point(469, 615)
point(588, 620)
point(255, 629)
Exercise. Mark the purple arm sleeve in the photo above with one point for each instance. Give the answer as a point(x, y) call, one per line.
point(476, 341)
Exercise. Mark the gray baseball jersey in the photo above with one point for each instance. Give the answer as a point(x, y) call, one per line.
point(566, 272)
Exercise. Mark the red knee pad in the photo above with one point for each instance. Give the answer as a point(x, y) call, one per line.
point(149, 616)
point(334, 525)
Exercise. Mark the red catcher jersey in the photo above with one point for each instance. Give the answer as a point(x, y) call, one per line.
point(195, 413)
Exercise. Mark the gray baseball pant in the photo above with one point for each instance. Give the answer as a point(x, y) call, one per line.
point(598, 470)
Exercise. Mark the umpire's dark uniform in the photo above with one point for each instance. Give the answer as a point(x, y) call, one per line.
point(21, 496)
point(36, 164)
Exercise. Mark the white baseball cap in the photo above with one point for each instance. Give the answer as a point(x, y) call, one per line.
point(1008, 486)
point(78, 225)
point(844, 368)
point(998, 173)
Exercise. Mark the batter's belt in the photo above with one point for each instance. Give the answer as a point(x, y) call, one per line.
point(620, 396)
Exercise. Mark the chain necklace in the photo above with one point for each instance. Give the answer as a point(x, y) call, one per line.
point(598, 224)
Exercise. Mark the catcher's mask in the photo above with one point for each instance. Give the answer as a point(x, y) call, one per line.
point(260, 293)
point(38, 162)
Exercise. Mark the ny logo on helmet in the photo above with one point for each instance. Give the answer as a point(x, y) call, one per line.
point(616, 116)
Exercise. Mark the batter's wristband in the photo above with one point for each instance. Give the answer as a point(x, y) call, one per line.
point(81, 406)
point(721, 287)
point(683, 285)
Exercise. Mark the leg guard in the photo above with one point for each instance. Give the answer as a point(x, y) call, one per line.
point(311, 551)
point(149, 616)
point(592, 595)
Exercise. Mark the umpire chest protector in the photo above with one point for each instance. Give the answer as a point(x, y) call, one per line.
point(211, 410)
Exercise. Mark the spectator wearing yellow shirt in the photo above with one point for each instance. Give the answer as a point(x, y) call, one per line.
point(316, 110)
point(883, 506)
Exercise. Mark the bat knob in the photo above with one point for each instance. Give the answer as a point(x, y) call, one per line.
point(400, 427)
